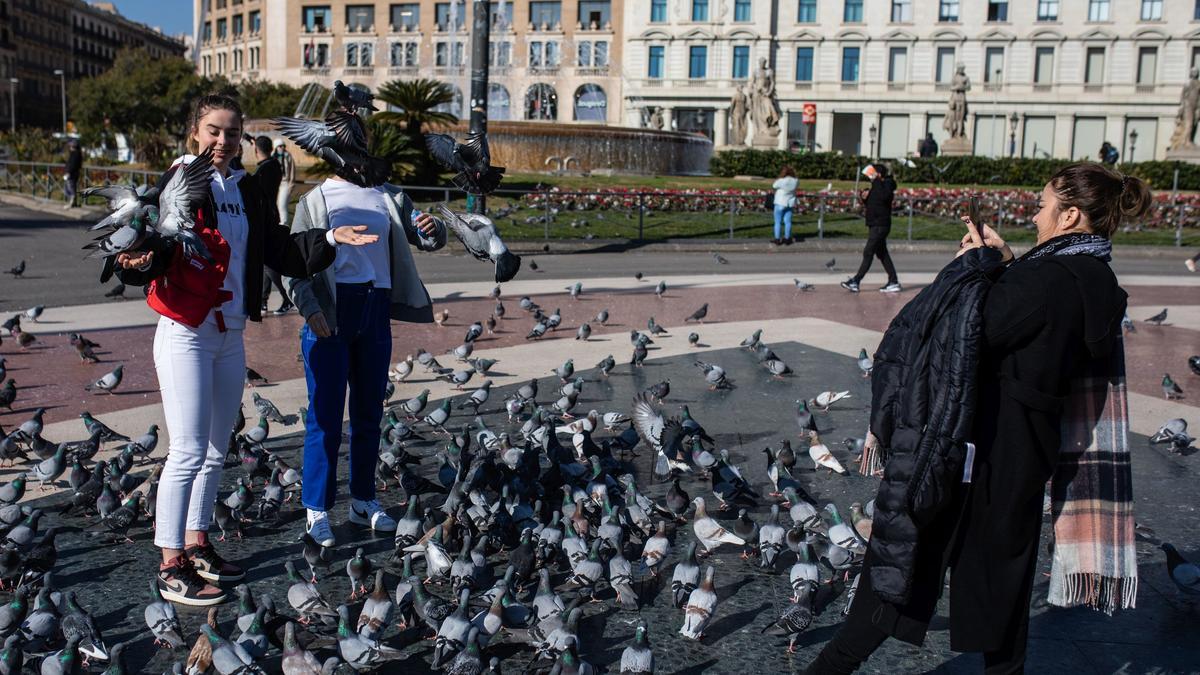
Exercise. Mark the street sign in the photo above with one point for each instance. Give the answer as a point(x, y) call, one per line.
point(809, 114)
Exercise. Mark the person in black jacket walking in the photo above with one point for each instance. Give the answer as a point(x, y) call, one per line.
point(74, 170)
point(1051, 318)
point(877, 207)
point(269, 173)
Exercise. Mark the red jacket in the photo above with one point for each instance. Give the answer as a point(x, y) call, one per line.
point(190, 286)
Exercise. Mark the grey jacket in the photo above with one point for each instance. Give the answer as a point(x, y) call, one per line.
point(410, 300)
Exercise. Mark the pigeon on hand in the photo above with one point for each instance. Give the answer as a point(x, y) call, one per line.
point(482, 240)
point(109, 382)
point(178, 203)
point(341, 140)
point(472, 160)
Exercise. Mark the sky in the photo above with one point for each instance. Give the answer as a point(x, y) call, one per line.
point(173, 16)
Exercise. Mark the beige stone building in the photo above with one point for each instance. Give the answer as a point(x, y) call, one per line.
point(550, 59)
point(1049, 77)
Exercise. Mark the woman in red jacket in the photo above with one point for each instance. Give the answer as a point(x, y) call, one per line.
point(198, 350)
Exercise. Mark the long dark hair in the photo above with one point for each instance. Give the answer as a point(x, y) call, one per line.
point(787, 170)
point(202, 107)
point(1104, 195)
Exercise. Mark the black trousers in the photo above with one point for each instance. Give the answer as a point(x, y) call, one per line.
point(273, 278)
point(877, 247)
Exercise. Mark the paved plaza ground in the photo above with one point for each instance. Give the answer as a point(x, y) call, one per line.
point(818, 333)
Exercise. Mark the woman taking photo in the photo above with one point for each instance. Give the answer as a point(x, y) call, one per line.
point(877, 208)
point(785, 203)
point(1049, 405)
point(199, 354)
point(347, 337)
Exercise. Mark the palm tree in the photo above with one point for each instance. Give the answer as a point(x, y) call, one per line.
point(417, 100)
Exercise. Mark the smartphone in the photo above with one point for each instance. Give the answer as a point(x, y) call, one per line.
point(416, 213)
point(976, 218)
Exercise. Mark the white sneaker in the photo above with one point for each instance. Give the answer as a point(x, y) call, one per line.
point(891, 288)
point(318, 528)
point(371, 514)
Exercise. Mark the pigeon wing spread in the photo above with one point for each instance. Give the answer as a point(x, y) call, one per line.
point(311, 135)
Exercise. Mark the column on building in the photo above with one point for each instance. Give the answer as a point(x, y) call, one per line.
point(824, 131)
point(782, 141)
point(668, 118)
point(721, 128)
point(1064, 132)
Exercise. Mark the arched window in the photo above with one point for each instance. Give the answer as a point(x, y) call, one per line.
point(541, 102)
point(455, 107)
point(591, 104)
point(498, 102)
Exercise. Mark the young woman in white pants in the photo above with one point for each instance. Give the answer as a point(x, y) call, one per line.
point(198, 348)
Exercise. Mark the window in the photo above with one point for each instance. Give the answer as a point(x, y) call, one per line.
point(237, 25)
point(441, 55)
point(741, 10)
point(222, 30)
point(898, 64)
point(255, 22)
point(658, 11)
point(804, 64)
point(591, 104)
point(1094, 70)
point(594, 14)
point(1097, 10)
point(600, 54)
point(547, 14)
point(850, 56)
point(997, 10)
point(852, 11)
point(406, 16)
point(697, 62)
point(947, 10)
point(317, 18)
point(1196, 12)
point(1043, 65)
point(654, 69)
point(360, 54)
point(993, 65)
point(499, 54)
point(544, 54)
point(1195, 58)
point(541, 102)
point(806, 12)
point(499, 103)
point(207, 31)
point(360, 18)
point(741, 62)
point(945, 64)
point(1152, 10)
point(501, 20)
point(901, 10)
point(316, 56)
point(443, 12)
point(1047, 10)
point(699, 10)
point(1146, 66)
point(404, 54)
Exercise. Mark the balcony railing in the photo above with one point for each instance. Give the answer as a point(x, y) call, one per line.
point(448, 71)
point(362, 71)
point(543, 70)
point(403, 70)
point(591, 71)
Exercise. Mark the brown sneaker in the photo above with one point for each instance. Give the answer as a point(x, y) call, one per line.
point(210, 565)
point(179, 582)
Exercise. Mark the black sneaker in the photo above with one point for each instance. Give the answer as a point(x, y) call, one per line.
point(210, 565)
point(788, 241)
point(850, 285)
point(179, 582)
point(283, 309)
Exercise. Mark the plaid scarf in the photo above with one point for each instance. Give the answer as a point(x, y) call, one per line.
point(1091, 492)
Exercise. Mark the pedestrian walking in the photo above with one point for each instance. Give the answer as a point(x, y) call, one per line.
point(877, 208)
point(785, 204)
point(199, 355)
point(1037, 394)
point(347, 337)
point(288, 165)
point(73, 171)
point(270, 175)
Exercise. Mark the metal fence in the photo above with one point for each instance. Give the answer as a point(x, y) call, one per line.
point(656, 214)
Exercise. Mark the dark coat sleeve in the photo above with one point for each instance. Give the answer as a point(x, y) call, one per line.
point(299, 255)
point(1015, 309)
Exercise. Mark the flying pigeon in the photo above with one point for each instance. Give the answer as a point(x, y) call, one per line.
point(472, 160)
point(177, 203)
point(341, 140)
point(482, 240)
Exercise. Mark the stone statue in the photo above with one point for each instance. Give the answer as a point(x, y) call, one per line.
point(656, 118)
point(764, 105)
point(739, 107)
point(955, 123)
point(1185, 119)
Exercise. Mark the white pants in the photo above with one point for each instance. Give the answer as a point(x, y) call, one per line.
point(281, 201)
point(201, 373)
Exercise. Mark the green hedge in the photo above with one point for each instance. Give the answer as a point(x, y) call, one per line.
point(968, 170)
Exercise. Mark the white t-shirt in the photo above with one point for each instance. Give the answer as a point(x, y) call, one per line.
point(785, 191)
point(349, 204)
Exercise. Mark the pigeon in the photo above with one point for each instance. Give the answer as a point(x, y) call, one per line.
point(296, 660)
point(601, 317)
point(19, 269)
point(865, 363)
point(719, 259)
point(575, 290)
point(353, 99)
point(1159, 318)
point(402, 370)
point(472, 161)
point(709, 532)
point(305, 598)
point(1171, 389)
point(701, 604)
point(94, 425)
point(796, 618)
point(1127, 324)
point(606, 366)
point(821, 455)
point(770, 540)
point(802, 286)
point(228, 657)
point(638, 658)
point(777, 368)
point(359, 652)
point(660, 289)
point(8, 394)
point(34, 312)
point(693, 339)
point(440, 317)
point(377, 611)
point(77, 623)
point(1166, 432)
point(109, 382)
point(826, 399)
point(714, 376)
point(584, 332)
point(267, 409)
point(477, 397)
point(1186, 575)
point(341, 140)
point(831, 265)
point(160, 617)
point(752, 342)
point(178, 202)
point(1193, 364)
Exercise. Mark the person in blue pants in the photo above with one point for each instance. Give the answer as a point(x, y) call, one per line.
point(347, 341)
point(785, 203)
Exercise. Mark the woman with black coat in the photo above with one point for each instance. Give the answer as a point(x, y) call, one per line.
point(877, 208)
point(1050, 321)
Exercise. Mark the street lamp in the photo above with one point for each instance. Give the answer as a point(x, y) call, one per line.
point(1132, 144)
point(62, 81)
point(1013, 120)
point(12, 101)
point(996, 109)
point(871, 132)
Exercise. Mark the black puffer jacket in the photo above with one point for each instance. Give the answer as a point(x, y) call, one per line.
point(877, 205)
point(923, 395)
